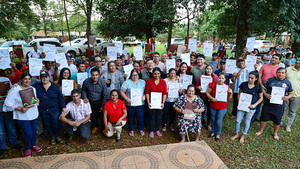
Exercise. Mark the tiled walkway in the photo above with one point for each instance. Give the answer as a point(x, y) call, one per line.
point(180, 155)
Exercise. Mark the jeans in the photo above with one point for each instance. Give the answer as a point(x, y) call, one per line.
point(84, 129)
point(290, 109)
point(155, 117)
point(137, 112)
point(206, 112)
point(216, 120)
point(256, 114)
point(235, 104)
point(7, 119)
point(29, 129)
point(239, 118)
point(51, 122)
point(96, 115)
point(169, 113)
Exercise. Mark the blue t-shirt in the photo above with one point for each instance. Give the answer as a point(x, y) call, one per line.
point(228, 76)
point(273, 82)
point(253, 91)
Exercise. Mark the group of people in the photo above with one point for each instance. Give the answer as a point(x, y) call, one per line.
point(107, 99)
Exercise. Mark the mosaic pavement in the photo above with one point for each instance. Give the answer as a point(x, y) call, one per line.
point(168, 156)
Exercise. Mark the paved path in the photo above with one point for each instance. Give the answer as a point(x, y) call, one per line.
point(168, 156)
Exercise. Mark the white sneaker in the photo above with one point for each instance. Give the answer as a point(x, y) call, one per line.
point(288, 129)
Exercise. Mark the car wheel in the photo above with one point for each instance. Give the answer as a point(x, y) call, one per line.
point(73, 53)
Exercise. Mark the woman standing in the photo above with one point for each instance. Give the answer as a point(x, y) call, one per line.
point(26, 117)
point(183, 70)
point(51, 103)
point(217, 108)
point(169, 112)
point(155, 84)
point(134, 84)
point(209, 71)
point(65, 74)
point(194, 125)
point(253, 88)
point(116, 112)
point(113, 78)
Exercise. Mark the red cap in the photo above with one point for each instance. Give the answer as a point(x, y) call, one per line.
point(24, 68)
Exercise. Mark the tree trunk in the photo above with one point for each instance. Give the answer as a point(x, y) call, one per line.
point(242, 27)
point(45, 25)
point(169, 33)
point(188, 27)
point(88, 19)
point(66, 15)
point(28, 33)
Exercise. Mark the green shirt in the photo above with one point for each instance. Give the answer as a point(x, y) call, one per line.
point(293, 75)
point(197, 72)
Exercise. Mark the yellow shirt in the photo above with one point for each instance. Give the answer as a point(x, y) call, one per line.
point(294, 77)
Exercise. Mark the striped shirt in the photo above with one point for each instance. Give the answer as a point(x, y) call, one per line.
point(242, 78)
point(79, 112)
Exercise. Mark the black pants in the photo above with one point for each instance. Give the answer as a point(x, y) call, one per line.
point(96, 114)
point(235, 104)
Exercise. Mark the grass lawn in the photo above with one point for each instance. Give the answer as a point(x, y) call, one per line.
point(256, 152)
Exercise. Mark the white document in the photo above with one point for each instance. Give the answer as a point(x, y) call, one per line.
point(205, 80)
point(250, 44)
point(81, 77)
point(277, 94)
point(173, 90)
point(208, 49)
point(35, 66)
point(50, 51)
point(127, 70)
point(136, 96)
point(138, 52)
point(156, 100)
point(221, 93)
point(112, 53)
point(245, 102)
point(62, 60)
point(119, 47)
point(187, 80)
point(170, 63)
point(186, 58)
point(67, 86)
point(250, 62)
point(4, 59)
point(230, 66)
point(192, 45)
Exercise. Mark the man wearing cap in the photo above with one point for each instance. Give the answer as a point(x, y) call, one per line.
point(199, 69)
point(239, 77)
point(214, 61)
point(84, 60)
point(228, 76)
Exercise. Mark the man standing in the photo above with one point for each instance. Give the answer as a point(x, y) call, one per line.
point(258, 64)
point(48, 68)
point(81, 69)
point(291, 106)
point(146, 73)
point(98, 64)
point(199, 69)
point(239, 77)
point(228, 76)
point(119, 65)
point(80, 117)
point(94, 90)
point(35, 53)
point(214, 61)
point(71, 66)
point(157, 63)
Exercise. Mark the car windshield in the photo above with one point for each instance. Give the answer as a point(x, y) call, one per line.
point(179, 41)
point(267, 43)
point(7, 44)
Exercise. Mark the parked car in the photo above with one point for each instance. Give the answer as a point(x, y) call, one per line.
point(178, 41)
point(53, 41)
point(9, 45)
point(262, 46)
point(82, 44)
point(73, 42)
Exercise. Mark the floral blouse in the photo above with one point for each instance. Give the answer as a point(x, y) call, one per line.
point(180, 103)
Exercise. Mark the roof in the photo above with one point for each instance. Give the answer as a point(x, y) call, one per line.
point(42, 33)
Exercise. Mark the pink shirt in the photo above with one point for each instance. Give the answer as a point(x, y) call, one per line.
point(268, 71)
point(79, 112)
point(161, 66)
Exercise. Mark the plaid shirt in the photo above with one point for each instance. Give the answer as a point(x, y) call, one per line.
point(78, 113)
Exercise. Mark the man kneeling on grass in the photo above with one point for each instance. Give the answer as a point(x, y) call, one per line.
point(80, 114)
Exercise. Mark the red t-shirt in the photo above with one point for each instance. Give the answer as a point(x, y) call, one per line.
point(216, 105)
point(152, 87)
point(115, 110)
point(214, 80)
point(268, 71)
point(17, 77)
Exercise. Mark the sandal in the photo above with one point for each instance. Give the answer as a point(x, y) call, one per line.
point(276, 137)
point(142, 133)
point(151, 134)
point(131, 133)
point(258, 133)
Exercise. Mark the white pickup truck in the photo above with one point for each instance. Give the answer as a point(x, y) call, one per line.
point(53, 41)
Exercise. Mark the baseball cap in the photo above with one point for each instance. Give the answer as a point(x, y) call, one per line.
point(241, 59)
point(44, 73)
point(223, 61)
point(68, 55)
point(91, 59)
point(178, 59)
point(24, 68)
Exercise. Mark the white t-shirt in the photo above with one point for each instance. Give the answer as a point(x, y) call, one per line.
point(33, 54)
point(125, 52)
